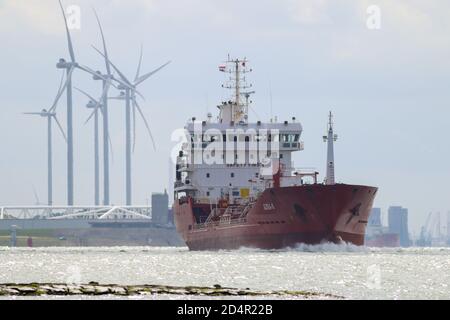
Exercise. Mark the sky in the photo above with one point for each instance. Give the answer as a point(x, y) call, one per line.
point(387, 86)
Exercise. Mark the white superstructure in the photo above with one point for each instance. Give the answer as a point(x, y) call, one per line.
point(233, 159)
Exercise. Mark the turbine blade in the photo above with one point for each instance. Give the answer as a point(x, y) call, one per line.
point(139, 65)
point(69, 38)
point(90, 117)
point(87, 95)
point(60, 127)
point(58, 96)
point(104, 96)
point(36, 196)
point(139, 94)
point(108, 67)
point(148, 75)
point(111, 148)
point(124, 81)
point(34, 113)
point(145, 122)
point(112, 83)
point(115, 68)
point(62, 80)
point(121, 83)
point(92, 72)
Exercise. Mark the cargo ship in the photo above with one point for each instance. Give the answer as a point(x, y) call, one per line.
point(236, 184)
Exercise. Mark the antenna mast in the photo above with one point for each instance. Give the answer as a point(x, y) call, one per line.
point(237, 69)
point(330, 138)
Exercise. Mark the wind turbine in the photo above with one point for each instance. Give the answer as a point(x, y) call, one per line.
point(50, 116)
point(70, 66)
point(96, 105)
point(129, 95)
point(104, 106)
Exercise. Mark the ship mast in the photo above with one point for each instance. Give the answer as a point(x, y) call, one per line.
point(330, 139)
point(237, 110)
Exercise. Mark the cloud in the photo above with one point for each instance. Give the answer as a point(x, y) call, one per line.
point(39, 15)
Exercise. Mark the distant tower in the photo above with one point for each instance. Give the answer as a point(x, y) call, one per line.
point(375, 218)
point(160, 208)
point(330, 138)
point(398, 223)
point(13, 237)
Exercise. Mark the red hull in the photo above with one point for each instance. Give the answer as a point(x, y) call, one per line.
point(284, 217)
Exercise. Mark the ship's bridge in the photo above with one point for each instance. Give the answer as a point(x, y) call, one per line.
point(286, 134)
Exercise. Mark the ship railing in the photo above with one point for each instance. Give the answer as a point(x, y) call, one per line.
point(246, 210)
point(230, 222)
point(245, 145)
point(232, 210)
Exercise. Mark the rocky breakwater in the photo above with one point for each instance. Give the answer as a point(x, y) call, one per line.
point(96, 289)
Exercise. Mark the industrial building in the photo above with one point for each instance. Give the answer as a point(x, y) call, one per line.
point(398, 223)
point(160, 208)
point(378, 235)
point(375, 218)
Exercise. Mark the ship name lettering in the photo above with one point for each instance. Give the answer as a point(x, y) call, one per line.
point(268, 206)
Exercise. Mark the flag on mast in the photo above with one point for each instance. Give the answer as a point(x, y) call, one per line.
point(222, 68)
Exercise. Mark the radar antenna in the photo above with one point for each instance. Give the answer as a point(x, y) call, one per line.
point(247, 96)
point(235, 110)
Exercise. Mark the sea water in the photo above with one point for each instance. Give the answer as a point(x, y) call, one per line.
point(342, 270)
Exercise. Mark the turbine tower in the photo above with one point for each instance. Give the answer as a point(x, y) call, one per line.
point(104, 106)
point(129, 95)
point(95, 105)
point(50, 116)
point(330, 139)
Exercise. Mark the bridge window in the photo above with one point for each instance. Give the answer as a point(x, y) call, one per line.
point(290, 137)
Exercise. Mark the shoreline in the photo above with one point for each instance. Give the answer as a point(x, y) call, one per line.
point(98, 290)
